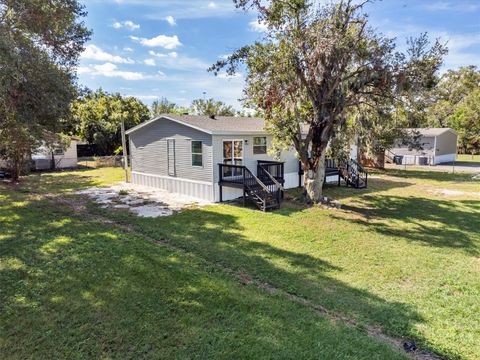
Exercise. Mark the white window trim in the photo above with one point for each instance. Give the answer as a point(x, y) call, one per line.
point(192, 153)
point(253, 145)
point(233, 152)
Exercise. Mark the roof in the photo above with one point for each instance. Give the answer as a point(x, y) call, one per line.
point(219, 125)
point(430, 132)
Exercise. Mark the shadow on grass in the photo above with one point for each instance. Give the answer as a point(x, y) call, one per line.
point(433, 222)
point(73, 287)
point(56, 182)
point(218, 238)
point(434, 175)
point(295, 199)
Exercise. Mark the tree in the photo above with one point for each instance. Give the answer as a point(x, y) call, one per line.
point(211, 107)
point(319, 65)
point(163, 106)
point(98, 116)
point(37, 72)
point(466, 121)
point(456, 103)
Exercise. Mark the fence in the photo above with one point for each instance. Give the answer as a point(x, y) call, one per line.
point(101, 161)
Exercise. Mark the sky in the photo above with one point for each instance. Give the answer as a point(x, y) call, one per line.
point(161, 48)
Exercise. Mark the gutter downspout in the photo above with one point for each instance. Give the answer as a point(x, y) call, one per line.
point(434, 150)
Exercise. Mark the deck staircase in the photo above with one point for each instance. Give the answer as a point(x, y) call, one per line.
point(353, 174)
point(264, 189)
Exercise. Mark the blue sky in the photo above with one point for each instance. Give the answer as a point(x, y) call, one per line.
point(161, 48)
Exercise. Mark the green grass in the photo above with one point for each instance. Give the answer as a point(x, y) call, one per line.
point(468, 158)
point(399, 256)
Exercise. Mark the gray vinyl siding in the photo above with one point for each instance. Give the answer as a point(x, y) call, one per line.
point(427, 144)
point(249, 158)
point(148, 148)
point(446, 143)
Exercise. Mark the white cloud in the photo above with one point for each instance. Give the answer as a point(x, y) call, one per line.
point(189, 9)
point(127, 24)
point(129, 49)
point(149, 62)
point(171, 20)
point(165, 41)
point(93, 52)
point(176, 61)
point(110, 70)
point(146, 98)
point(225, 56)
point(257, 26)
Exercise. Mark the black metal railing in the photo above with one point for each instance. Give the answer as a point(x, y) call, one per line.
point(354, 173)
point(274, 168)
point(262, 192)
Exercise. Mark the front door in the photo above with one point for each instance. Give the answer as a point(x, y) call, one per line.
point(232, 155)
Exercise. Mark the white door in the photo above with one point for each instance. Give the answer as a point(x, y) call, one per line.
point(232, 155)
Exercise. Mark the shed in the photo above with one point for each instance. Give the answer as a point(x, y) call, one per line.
point(438, 145)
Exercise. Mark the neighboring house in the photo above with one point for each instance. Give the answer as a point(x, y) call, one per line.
point(438, 145)
point(213, 158)
point(64, 158)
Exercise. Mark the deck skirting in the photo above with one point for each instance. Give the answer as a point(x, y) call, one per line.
point(196, 189)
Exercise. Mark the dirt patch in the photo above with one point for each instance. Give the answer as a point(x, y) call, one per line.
point(449, 192)
point(140, 200)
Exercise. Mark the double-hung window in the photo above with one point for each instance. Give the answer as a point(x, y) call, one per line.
point(197, 154)
point(259, 145)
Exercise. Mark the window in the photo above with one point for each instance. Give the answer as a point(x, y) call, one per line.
point(197, 157)
point(58, 151)
point(232, 155)
point(260, 145)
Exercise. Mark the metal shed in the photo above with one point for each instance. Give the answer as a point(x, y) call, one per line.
point(438, 146)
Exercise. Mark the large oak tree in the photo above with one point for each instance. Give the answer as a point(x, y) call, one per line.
point(319, 65)
point(40, 42)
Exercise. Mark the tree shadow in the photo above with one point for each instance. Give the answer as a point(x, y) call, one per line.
point(73, 287)
point(432, 222)
point(294, 199)
point(54, 182)
point(434, 175)
point(218, 238)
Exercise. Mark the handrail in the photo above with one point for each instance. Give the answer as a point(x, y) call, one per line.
point(264, 187)
point(270, 162)
point(275, 181)
point(389, 154)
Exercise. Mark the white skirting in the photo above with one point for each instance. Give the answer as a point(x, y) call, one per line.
point(291, 180)
point(439, 159)
point(197, 189)
point(203, 190)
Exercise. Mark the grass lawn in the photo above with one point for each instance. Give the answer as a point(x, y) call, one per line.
point(401, 259)
point(468, 158)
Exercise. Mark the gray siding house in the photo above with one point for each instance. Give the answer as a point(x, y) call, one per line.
point(438, 145)
point(182, 153)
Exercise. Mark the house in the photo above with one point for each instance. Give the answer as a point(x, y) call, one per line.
point(437, 146)
point(214, 158)
point(64, 158)
point(42, 158)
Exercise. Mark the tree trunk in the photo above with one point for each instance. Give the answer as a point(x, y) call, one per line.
point(52, 162)
point(15, 170)
point(313, 181)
